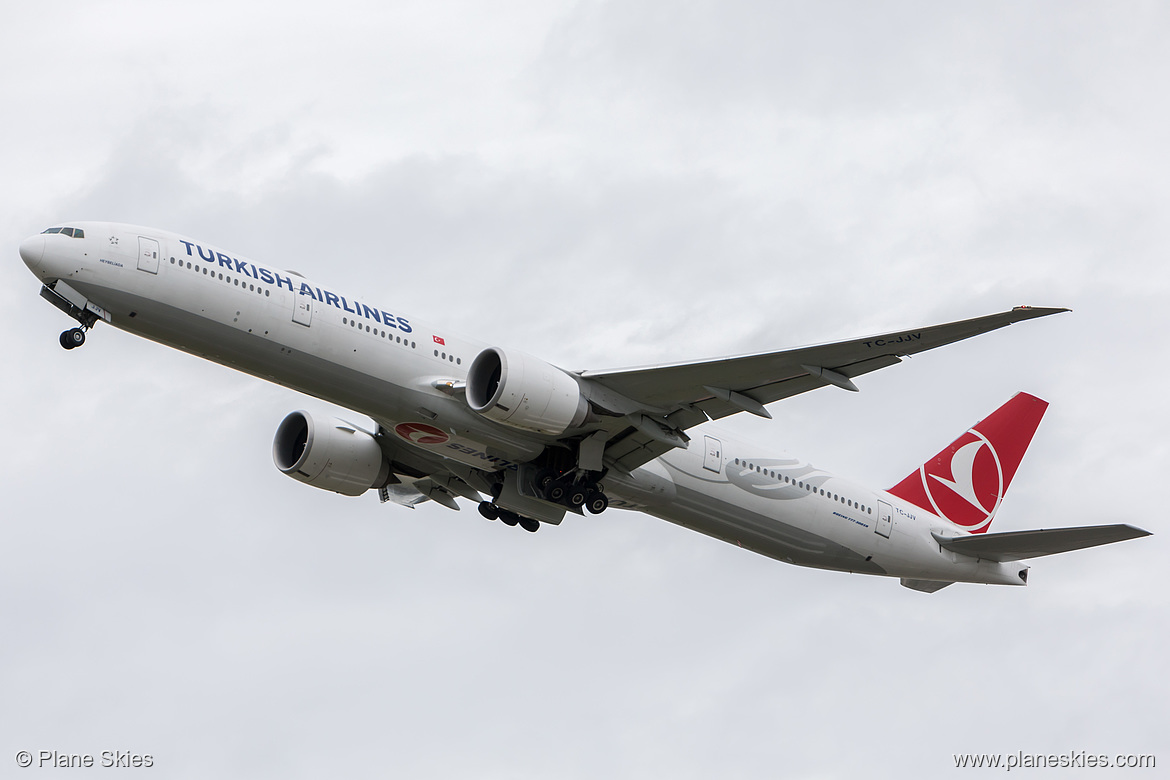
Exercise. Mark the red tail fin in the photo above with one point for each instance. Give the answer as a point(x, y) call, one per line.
point(966, 482)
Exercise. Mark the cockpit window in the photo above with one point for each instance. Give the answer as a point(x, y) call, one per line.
point(68, 231)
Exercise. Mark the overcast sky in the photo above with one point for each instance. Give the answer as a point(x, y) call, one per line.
point(602, 184)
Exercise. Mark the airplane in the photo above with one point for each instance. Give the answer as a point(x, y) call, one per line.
point(528, 442)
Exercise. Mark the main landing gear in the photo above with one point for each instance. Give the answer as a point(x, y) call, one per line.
point(572, 492)
point(577, 490)
point(73, 338)
point(493, 512)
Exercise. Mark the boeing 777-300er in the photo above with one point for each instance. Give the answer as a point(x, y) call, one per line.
point(527, 441)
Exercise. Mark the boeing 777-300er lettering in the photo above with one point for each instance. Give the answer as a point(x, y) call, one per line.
point(455, 418)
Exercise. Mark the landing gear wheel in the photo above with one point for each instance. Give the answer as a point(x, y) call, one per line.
point(597, 502)
point(489, 510)
point(576, 497)
point(529, 525)
point(555, 492)
point(507, 518)
point(71, 339)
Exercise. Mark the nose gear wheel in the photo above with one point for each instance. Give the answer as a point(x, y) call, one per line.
point(73, 338)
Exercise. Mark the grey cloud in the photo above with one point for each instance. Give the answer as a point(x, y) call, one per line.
point(647, 183)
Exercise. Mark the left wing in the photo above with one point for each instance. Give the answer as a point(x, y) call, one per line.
point(672, 398)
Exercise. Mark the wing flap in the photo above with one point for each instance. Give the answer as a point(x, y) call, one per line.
point(1020, 545)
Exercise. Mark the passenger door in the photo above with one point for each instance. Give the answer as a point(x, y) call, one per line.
point(148, 253)
point(712, 454)
point(303, 309)
point(885, 522)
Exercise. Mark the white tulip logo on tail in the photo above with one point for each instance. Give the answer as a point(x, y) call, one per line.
point(972, 490)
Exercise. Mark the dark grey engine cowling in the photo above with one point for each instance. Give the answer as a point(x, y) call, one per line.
point(524, 392)
point(329, 454)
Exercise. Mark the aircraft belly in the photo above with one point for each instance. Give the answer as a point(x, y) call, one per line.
point(701, 511)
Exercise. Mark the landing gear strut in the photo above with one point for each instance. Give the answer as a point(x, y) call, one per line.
point(73, 338)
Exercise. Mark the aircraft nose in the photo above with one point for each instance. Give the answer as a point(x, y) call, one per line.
point(32, 249)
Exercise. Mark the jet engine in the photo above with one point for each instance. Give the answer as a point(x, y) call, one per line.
point(524, 392)
point(329, 454)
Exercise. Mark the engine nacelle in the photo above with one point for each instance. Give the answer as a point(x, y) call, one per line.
point(329, 454)
point(524, 392)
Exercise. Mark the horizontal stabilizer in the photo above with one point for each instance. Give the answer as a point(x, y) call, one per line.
point(1019, 545)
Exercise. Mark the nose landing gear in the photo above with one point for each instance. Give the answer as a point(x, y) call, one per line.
point(73, 338)
point(77, 308)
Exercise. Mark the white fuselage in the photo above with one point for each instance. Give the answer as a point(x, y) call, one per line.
point(377, 360)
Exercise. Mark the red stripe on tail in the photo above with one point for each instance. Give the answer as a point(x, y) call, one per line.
point(966, 482)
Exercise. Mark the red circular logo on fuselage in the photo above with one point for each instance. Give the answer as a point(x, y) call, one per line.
point(421, 433)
